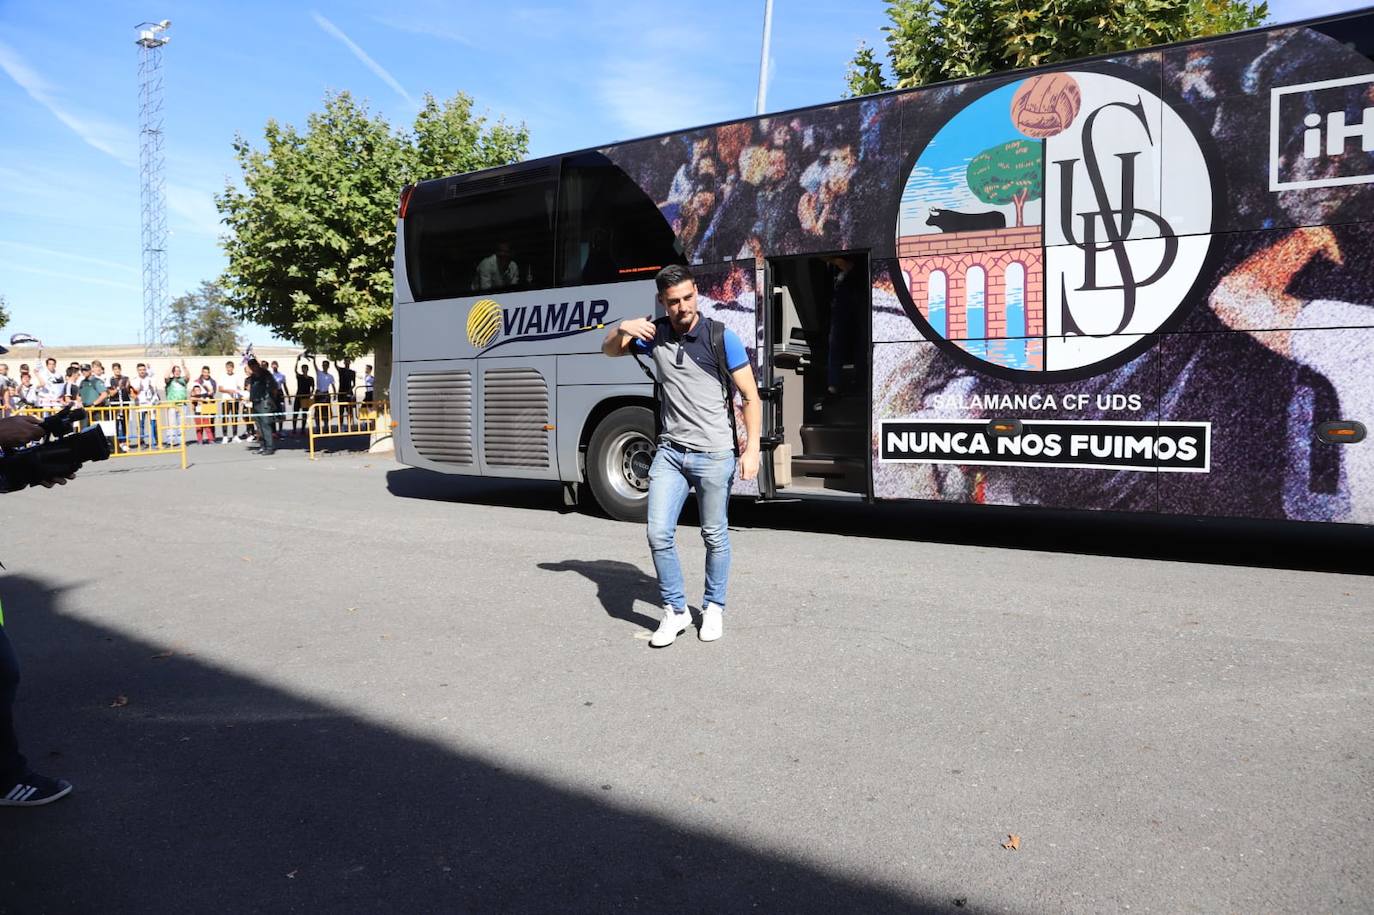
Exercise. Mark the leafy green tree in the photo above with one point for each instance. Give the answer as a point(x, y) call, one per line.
point(312, 227)
point(201, 323)
point(4, 312)
point(933, 40)
point(1009, 173)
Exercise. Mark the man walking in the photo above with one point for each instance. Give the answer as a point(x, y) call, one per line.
point(698, 363)
point(262, 395)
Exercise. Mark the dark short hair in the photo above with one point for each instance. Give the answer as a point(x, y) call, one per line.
point(671, 275)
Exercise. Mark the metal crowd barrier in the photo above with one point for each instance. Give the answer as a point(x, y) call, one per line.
point(337, 418)
point(166, 428)
point(135, 430)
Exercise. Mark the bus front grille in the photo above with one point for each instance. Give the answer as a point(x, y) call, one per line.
point(439, 407)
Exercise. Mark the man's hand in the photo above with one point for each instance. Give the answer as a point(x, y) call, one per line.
point(749, 464)
point(622, 336)
point(639, 328)
point(20, 430)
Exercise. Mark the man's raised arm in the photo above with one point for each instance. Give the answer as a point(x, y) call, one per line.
point(620, 338)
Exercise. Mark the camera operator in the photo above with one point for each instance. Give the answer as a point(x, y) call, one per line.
point(20, 786)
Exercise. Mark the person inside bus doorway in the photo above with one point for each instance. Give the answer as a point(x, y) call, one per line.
point(846, 311)
point(698, 363)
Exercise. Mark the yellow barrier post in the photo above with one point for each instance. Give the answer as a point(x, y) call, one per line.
point(365, 413)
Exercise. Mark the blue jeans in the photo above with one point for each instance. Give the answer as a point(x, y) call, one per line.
point(673, 473)
point(146, 419)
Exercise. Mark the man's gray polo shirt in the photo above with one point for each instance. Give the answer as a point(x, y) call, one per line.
point(693, 404)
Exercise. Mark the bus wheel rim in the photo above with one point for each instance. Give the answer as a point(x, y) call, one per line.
point(627, 464)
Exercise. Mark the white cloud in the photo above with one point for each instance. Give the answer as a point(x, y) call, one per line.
point(430, 29)
point(645, 96)
point(649, 86)
point(68, 276)
point(195, 207)
point(362, 55)
point(67, 255)
point(110, 138)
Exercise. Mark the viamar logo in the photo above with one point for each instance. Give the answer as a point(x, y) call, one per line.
point(491, 324)
point(1321, 134)
point(484, 323)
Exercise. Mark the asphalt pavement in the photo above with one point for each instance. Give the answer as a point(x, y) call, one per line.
point(348, 686)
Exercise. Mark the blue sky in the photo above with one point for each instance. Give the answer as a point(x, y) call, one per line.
point(577, 73)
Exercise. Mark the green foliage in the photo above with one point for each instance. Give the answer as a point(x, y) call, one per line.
point(4, 312)
point(933, 40)
point(1009, 173)
point(201, 323)
point(865, 74)
point(312, 229)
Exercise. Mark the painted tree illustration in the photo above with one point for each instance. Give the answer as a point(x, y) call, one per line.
point(1009, 173)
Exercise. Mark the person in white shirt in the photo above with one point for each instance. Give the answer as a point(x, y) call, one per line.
point(146, 395)
point(497, 270)
point(231, 404)
point(324, 393)
point(48, 375)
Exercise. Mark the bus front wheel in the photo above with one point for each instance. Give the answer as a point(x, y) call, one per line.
point(618, 459)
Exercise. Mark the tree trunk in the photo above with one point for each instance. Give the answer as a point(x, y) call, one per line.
point(381, 350)
point(1020, 201)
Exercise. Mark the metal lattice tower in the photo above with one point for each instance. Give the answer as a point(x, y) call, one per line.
point(153, 185)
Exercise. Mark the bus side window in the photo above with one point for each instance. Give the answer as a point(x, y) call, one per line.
point(488, 241)
point(609, 231)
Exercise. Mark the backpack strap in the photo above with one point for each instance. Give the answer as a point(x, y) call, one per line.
point(716, 336)
point(658, 388)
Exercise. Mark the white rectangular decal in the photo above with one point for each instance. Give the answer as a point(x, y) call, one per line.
point(1337, 130)
point(1176, 447)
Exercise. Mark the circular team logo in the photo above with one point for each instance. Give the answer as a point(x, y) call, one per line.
point(1053, 224)
point(484, 322)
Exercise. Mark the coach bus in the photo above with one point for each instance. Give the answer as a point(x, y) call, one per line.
point(1140, 282)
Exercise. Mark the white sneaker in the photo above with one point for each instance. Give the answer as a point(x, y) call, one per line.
point(712, 623)
point(673, 625)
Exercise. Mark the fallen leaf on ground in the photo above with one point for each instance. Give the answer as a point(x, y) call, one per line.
point(1013, 842)
point(119, 702)
point(352, 609)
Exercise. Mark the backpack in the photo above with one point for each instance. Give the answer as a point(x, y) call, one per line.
point(715, 338)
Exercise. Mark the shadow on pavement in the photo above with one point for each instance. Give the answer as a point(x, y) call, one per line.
point(214, 792)
point(1224, 541)
point(619, 586)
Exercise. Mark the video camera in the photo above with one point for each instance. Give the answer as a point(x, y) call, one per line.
point(60, 456)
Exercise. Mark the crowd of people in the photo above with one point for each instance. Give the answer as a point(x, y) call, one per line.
point(776, 185)
point(246, 400)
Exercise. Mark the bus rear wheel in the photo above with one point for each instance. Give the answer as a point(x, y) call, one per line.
point(618, 459)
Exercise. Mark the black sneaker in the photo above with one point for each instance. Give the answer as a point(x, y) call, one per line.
point(34, 790)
